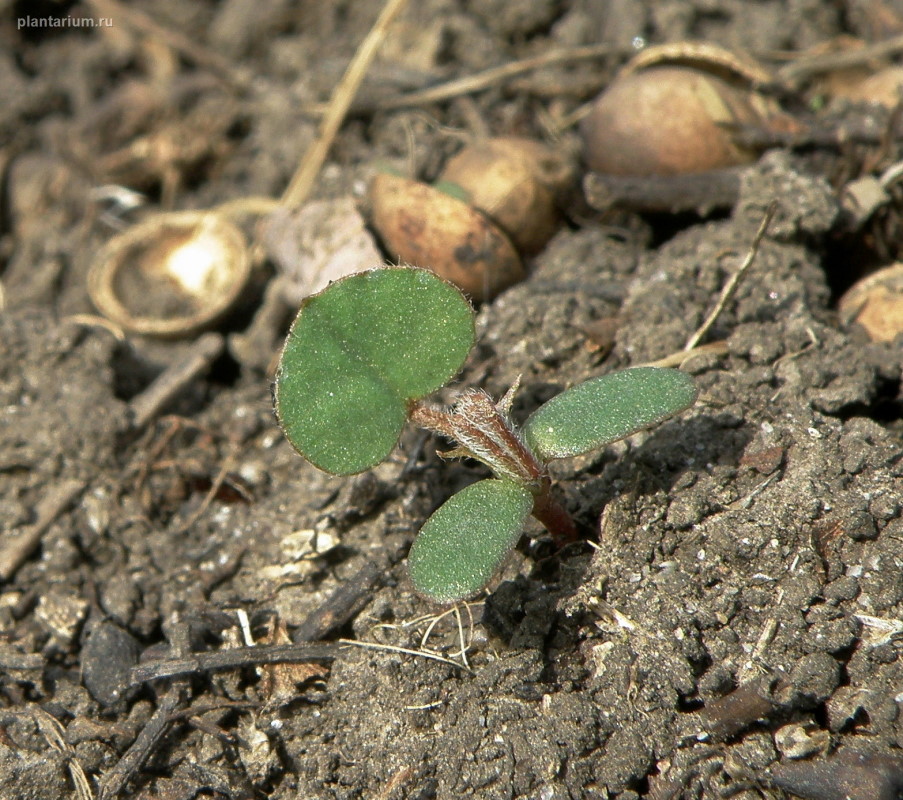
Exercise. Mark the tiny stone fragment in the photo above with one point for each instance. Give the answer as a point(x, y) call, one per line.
point(844, 705)
point(812, 681)
point(61, 613)
point(800, 741)
point(600, 335)
point(861, 198)
point(120, 597)
point(861, 527)
point(107, 659)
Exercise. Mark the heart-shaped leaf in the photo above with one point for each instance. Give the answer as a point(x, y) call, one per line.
point(463, 543)
point(358, 353)
point(606, 409)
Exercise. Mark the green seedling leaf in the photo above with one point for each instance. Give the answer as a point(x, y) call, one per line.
point(358, 353)
point(606, 409)
point(463, 543)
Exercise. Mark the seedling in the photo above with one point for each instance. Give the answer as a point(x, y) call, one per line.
point(357, 363)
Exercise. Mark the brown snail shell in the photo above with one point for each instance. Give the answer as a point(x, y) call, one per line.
point(422, 226)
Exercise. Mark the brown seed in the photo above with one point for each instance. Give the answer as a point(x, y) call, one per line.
point(423, 226)
point(514, 182)
point(669, 120)
point(876, 303)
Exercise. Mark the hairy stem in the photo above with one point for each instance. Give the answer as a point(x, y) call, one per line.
point(483, 432)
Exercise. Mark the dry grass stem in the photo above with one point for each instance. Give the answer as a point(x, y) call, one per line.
point(730, 288)
point(302, 181)
point(391, 648)
point(805, 67)
point(483, 80)
point(682, 356)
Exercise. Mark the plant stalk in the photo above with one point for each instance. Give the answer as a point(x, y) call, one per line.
point(554, 517)
point(484, 433)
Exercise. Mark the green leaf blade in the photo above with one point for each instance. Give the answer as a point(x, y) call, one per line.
point(328, 403)
point(463, 543)
point(605, 409)
point(357, 353)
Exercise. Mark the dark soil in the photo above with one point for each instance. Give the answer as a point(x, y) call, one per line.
point(730, 626)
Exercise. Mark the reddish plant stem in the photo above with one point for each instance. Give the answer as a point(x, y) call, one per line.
point(557, 521)
point(483, 433)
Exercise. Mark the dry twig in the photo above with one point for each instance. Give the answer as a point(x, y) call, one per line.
point(231, 658)
point(677, 359)
point(115, 780)
point(16, 550)
point(175, 378)
point(702, 192)
point(349, 598)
